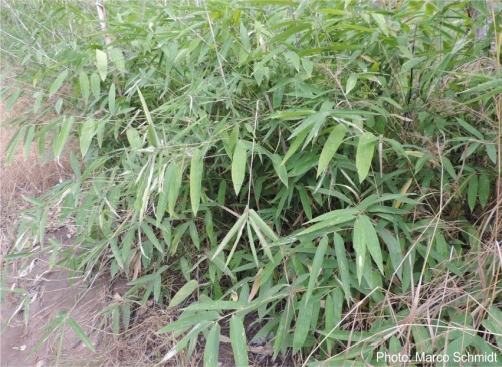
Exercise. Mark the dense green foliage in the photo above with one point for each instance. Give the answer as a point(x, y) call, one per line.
point(329, 166)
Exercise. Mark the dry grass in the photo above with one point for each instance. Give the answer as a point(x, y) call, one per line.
point(26, 175)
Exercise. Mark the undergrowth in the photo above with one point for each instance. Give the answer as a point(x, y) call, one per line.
point(330, 169)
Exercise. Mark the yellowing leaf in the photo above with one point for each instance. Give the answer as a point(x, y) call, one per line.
point(403, 191)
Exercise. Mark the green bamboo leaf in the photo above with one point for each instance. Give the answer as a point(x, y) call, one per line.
point(491, 151)
point(116, 253)
point(293, 58)
point(332, 144)
point(237, 227)
point(351, 82)
point(472, 192)
point(215, 306)
point(183, 293)
point(483, 189)
point(331, 219)
point(134, 139)
point(81, 334)
point(86, 135)
point(102, 63)
point(118, 58)
point(95, 85)
point(151, 236)
point(262, 225)
point(238, 340)
point(58, 82)
point(280, 169)
point(359, 243)
point(364, 155)
point(111, 98)
point(212, 347)
point(187, 321)
point(343, 265)
point(12, 100)
point(395, 251)
point(58, 105)
point(28, 140)
point(38, 102)
point(423, 340)
point(308, 66)
point(304, 198)
point(282, 329)
point(410, 64)
point(84, 85)
point(174, 187)
point(302, 329)
point(259, 72)
point(372, 243)
point(152, 133)
point(316, 266)
point(63, 135)
point(126, 315)
point(239, 160)
point(380, 19)
point(263, 241)
point(196, 169)
point(295, 145)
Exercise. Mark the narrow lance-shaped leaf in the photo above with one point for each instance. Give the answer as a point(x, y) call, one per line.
point(86, 134)
point(472, 192)
point(280, 169)
point(111, 98)
point(343, 265)
point(237, 227)
point(187, 321)
point(483, 189)
point(174, 187)
point(84, 85)
point(183, 293)
point(351, 83)
point(152, 133)
point(81, 334)
point(333, 142)
point(58, 83)
point(63, 135)
point(196, 168)
point(212, 347)
point(359, 243)
point(95, 85)
point(102, 64)
point(303, 323)
point(372, 243)
point(239, 160)
point(364, 155)
point(238, 340)
point(316, 266)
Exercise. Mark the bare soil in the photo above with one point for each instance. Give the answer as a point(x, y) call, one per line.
point(25, 339)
